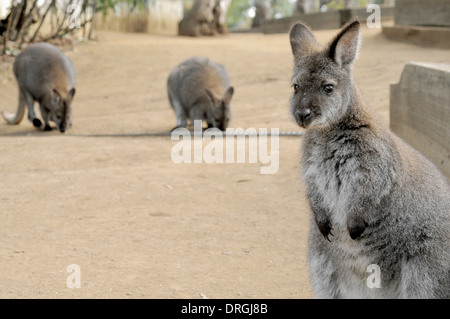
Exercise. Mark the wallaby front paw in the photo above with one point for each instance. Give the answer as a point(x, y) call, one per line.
point(356, 227)
point(37, 123)
point(325, 228)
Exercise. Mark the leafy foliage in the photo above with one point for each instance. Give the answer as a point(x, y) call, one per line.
point(237, 15)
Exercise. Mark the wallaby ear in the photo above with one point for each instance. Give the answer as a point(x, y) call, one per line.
point(302, 40)
point(72, 93)
point(56, 95)
point(345, 46)
point(228, 94)
point(211, 96)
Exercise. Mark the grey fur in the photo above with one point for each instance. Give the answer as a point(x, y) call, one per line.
point(199, 89)
point(375, 200)
point(44, 74)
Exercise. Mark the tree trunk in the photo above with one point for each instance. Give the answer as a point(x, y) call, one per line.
point(94, 13)
point(52, 4)
point(300, 7)
point(349, 4)
point(220, 15)
point(261, 13)
point(306, 6)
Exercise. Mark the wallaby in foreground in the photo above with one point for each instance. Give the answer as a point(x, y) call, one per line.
point(199, 89)
point(44, 74)
point(375, 200)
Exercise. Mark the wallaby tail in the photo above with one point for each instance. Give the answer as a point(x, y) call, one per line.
point(12, 118)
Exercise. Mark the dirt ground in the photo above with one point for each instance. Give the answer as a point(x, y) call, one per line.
point(140, 226)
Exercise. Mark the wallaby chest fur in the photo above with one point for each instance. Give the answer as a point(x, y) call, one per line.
point(375, 200)
point(46, 75)
point(199, 89)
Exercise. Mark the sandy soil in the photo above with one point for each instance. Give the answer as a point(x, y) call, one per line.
point(139, 225)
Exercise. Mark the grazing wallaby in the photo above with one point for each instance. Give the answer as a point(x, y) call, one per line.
point(199, 89)
point(44, 74)
point(375, 200)
point(199, 20)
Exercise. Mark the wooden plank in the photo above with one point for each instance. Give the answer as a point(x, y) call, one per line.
point(420, 110)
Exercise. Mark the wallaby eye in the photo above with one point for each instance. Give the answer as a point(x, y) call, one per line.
point(329, 88)
point(296, 87)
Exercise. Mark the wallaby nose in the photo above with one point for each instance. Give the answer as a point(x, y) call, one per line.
point(303, 114)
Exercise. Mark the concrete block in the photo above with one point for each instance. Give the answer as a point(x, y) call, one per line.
point(420, 110)
point(316, 21)
point(386, 14)
point(282, 25)
point(436, 37)
point(422, 12)
point(322, 20)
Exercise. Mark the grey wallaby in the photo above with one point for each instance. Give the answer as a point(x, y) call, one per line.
point(375, 200)
point(199, 89)
point(45, 75)
point(200, 19)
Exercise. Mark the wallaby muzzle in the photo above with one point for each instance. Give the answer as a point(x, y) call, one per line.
point(222, 126)
point(303, 117)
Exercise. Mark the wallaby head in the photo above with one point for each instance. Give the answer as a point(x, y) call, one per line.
point(322, 79)
point(219, 114)
point(60, 110)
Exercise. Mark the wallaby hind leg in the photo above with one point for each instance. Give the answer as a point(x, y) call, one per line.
point(322, 271)
point(16, 118)
point(179, 111)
